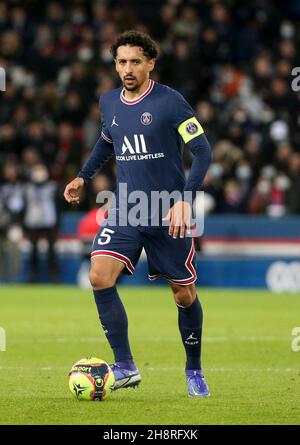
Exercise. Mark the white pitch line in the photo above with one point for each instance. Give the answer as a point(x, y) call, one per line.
point(30, 368)
point(231, 369)
point(210, 339)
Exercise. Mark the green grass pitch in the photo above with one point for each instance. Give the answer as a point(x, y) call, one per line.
point(248, 361)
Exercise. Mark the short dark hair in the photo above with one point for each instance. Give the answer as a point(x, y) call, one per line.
point(136, 38)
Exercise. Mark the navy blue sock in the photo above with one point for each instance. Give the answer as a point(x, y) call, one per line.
point(114, 322)
point(190, 326)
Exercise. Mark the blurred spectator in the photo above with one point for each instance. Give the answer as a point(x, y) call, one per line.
point(206, 114)
point(220, 55)
point(11, 207)
point(41, 218)
point(243, 174)
point(3, 16)
point(187, 25)
point(282, 156)
point(8, 141)
point(30, 157)
point(212, 187)
point(67, 158)
point(227, 155)
point(91, 126)
point(233, 199)
point(260, 197)
point(277, 206)
point(181, 62)
point(254, 154)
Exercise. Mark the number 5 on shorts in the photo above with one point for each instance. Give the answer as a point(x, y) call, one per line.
point(106, 234)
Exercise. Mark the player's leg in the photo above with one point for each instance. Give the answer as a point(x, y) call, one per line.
point(104, 272)
point(190, 318)
point(111, 256)
point(174, 259)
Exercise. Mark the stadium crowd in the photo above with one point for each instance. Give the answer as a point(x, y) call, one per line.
point(231, 60)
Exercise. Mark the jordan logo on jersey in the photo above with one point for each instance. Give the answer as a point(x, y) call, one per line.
point(114, 122)
point(139, 145)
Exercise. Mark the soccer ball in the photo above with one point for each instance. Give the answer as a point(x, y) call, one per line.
point(91, 379)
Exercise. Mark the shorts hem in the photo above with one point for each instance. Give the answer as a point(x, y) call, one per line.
point(181, 282)
point(117, 256)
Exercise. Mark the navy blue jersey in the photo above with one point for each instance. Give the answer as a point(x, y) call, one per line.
point(147, 135)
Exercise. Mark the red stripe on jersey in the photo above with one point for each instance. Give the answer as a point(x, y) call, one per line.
point(138, 99)
point(106, 138)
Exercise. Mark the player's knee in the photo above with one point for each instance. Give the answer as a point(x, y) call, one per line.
point(101, 280)
point(185, 296)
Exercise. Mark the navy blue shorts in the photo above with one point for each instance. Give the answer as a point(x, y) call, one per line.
point(173, 259)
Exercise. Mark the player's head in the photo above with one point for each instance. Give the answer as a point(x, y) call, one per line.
point(135, 54)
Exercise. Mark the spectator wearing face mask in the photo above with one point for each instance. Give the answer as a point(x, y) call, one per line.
point(243, 174)
point(233, 199)
point(41, 218)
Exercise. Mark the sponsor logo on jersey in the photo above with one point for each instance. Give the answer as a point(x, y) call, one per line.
point(136, 150)
point(146, 118)
point(139, 145)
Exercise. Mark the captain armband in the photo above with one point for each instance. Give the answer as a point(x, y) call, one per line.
point(190, 129)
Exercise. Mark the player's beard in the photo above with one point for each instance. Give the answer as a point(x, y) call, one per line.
point(133, 87)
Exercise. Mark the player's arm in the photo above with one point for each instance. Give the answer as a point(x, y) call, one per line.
point(101, 152)
point(180, 214)
point(192, 134)
point(197, 142)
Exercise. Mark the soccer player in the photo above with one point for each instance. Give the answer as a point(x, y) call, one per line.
point(145, 124)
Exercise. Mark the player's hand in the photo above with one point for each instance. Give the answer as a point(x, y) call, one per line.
point(180, 219)
point(73, 191)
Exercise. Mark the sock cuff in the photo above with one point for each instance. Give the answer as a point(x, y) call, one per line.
point(106, 294)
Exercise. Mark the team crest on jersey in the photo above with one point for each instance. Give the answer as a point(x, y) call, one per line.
point(146, 118)
point(191, 128)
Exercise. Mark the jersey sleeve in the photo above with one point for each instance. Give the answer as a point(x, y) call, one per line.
point(183, 118)
point(104, 127)
point(101, 152)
